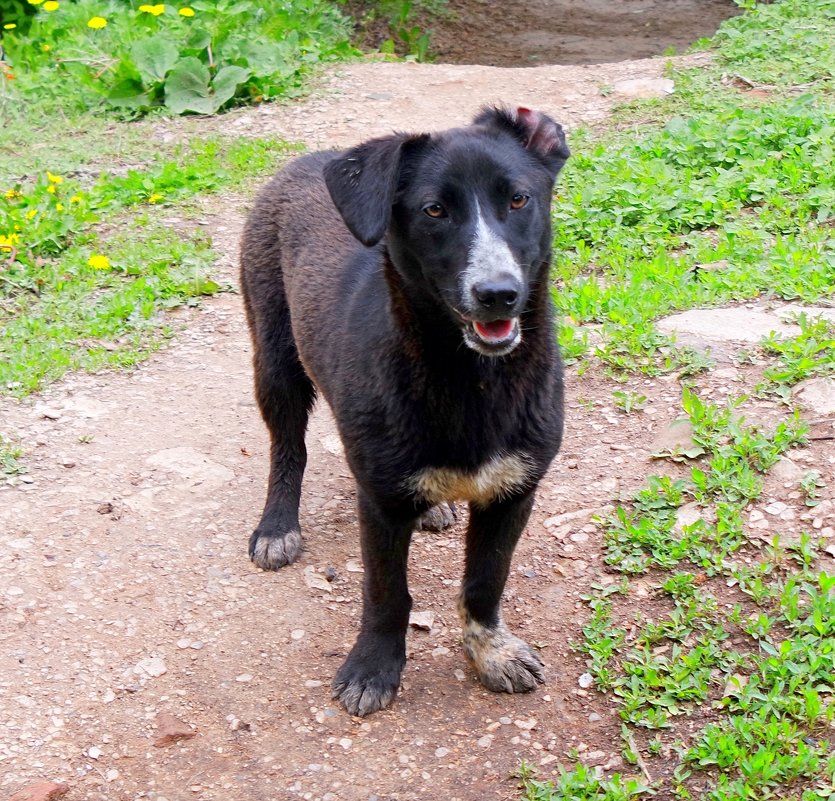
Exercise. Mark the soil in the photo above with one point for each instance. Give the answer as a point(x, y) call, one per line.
point(571, 32)
point(125, 587)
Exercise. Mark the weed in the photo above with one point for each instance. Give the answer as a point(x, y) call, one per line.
point(810, 483)
point(10, 455)
point(629, 402)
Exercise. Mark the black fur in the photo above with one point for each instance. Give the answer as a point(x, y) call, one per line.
point(352, 288)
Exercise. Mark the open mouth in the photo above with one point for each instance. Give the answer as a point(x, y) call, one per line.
point(494, 338)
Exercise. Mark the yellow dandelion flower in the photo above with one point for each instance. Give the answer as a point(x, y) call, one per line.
point(35, 2)
point(11, 194)
point(51, 5)
point(155, 198)
point(97, 23)
point(54, 179)
point(59, 207)
point(75, 199)
point(9, 240)
point(98, 262)
point(186, 12)
point(45, 48)
point(31, 213)
point(51, 189)
point(156, 10)
point(9, 26)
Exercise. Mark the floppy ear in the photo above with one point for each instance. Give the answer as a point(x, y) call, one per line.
point(537, 132)
point(363, 183)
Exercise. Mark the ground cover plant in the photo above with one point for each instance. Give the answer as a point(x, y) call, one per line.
point(194, 58)
point(90, 268)
point(723, 195)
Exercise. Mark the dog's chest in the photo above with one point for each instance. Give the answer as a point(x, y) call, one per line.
point(495, 479)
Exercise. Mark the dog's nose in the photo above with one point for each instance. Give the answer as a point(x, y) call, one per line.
point(496, 294)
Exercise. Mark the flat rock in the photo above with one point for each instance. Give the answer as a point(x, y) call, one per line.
point(786, 470)
point(171, 730)
point(736, 324)
point(644, 87)
point(675, 438)
point(195, 467)
point(422, 620)
point(42, 791)
point(817, 395)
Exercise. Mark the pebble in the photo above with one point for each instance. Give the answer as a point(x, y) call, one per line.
point(297, 634)
point(526, 725)
point(459, 674)
point(94, 752)
point(42, 791)
point(171, 730)
point(346, 743)
point(440, 651)
point(485, 742)
point(594, 718)
point(152, 666)
point(312, 683)
point(776, 508)
point(441, 752)
point(243, 677)
point(586, 680)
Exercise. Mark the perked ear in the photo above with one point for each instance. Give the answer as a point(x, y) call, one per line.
point(537, 132)
point(363, 183)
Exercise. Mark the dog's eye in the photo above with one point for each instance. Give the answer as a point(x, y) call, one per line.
point(519, 201)
point(434, 210)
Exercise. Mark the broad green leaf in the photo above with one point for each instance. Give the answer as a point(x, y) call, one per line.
point(198, 39)
point(128, 93)
point(226, 83)
point(187, 88)
point(154, 58)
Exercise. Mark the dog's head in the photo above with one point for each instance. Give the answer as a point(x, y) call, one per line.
point(466, 214)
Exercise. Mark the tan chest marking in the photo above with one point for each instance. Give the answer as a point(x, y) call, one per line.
point(495, 479)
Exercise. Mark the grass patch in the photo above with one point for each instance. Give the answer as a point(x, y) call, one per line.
point(723, 676)
point(130, 58)
point(89, 267)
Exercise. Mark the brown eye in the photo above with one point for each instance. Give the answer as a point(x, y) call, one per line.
point(519, 201)
point(434, 210)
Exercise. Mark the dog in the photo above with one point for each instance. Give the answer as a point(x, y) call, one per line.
point(406, 281)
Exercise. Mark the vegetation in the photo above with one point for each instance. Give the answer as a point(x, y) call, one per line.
point(724, 194)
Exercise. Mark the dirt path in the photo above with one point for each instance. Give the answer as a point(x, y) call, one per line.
point(125, 588)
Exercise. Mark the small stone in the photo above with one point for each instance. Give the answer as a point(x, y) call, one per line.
point(243, 678)
point(42, 791)
point(459, 674)
point(312, 684)
point(184, 642)
point(525, 725)
point(346, 743)
point(152, 666)
point(594, 718)
point(485, 742)
point(66, 462)
point(594, 758)
point(196, 645)
point(644, 87)
point(316, 581)
point(48, 412)
point(14, 591)
point(777, 508)
point(171, 730)
point(330, 574)
point(112, 775)
point(440, 651)
point(353, 566)
point(586, 680)
point(108, 697)
point(94, 752)
point(422, 620)
point(817, 395)
point(296, 634)
point(441, 752)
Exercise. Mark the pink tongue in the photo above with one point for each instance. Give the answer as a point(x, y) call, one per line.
point(496, 330)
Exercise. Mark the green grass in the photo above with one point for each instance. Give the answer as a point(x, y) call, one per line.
point(91, 265)
point(709, 197)
point(10, 464)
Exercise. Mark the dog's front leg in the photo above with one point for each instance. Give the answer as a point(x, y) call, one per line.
point(369, 677)
point(504, 663)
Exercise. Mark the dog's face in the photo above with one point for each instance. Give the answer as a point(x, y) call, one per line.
point(467, 214)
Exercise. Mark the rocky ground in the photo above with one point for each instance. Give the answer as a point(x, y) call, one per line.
point(143, 656)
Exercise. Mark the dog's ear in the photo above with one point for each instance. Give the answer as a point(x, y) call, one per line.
point(537, 132)
point(363, 183)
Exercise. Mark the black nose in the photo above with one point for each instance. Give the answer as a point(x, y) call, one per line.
point(497, 294)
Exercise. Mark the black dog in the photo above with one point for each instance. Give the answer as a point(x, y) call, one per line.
point(407, 280)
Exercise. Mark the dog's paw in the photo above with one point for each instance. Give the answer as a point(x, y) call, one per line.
point(272, 551)
point(438, 517)
point(364, 686)
point(504, 663)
